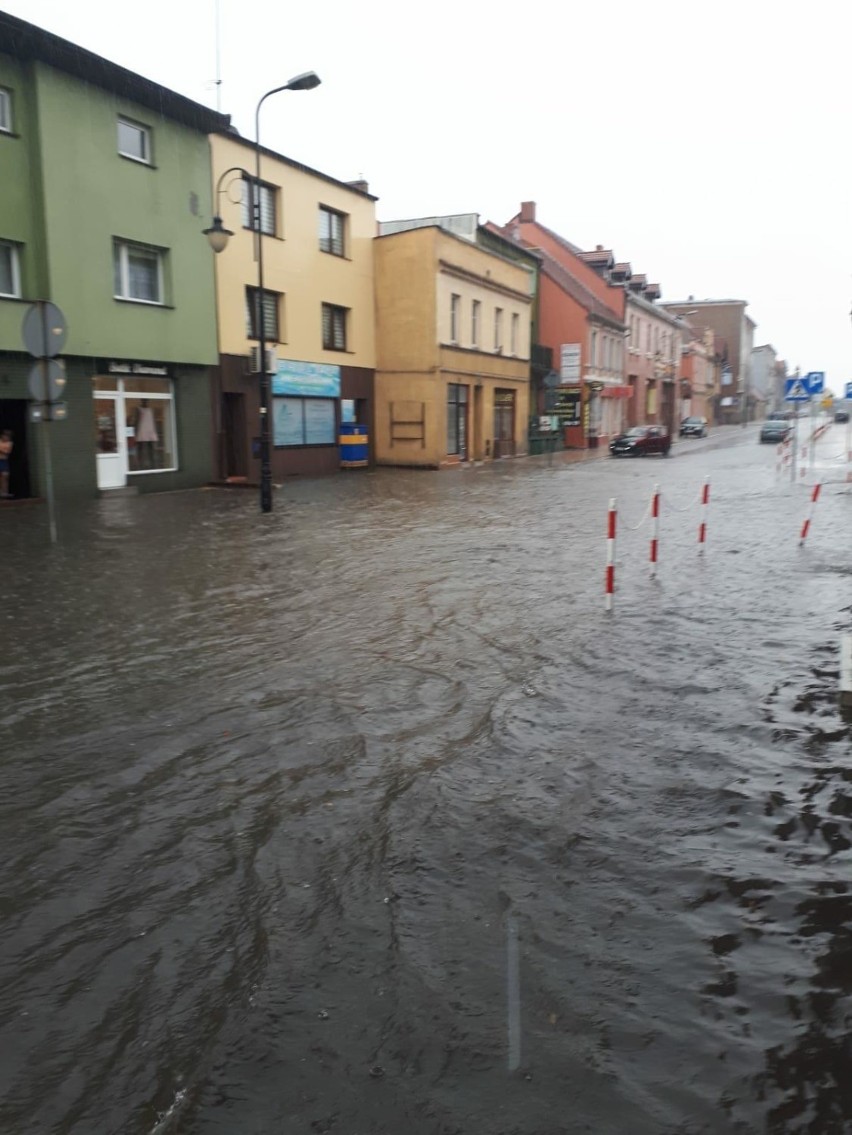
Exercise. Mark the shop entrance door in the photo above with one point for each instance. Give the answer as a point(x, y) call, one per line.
point(111, 443)
point(504, 423)
point(234, 428)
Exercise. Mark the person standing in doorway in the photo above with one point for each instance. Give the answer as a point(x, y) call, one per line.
point(146, 435)
point(6, 446)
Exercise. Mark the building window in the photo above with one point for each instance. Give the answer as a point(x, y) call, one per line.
point(5, 110)
point(498, 329)
point(134, 141)
point(334, 327)
point(457, 420)
point(149, 415)
point(455, 316)
point(10, 270)
point(135, 420)
point(332, 227)
point(138, 271)
point(516, 323)
point(475, 310)
point(304, 421)
point(594, 351)
point(271, 315)
point(268, 206)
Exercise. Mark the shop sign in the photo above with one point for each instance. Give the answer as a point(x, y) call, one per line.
point(148, 369)
point(568, 404)
point(307, 380)
point(569, 362)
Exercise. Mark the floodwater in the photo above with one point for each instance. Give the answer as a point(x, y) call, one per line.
point(365, 817)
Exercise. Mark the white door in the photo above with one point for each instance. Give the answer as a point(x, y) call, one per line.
point(111, 443)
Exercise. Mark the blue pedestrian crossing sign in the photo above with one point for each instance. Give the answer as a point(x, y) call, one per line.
point(796, 390)
point(816, 381)
point(848, 393)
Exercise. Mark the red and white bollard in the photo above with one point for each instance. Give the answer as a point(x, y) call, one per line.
point(609, 578)
point(655, 537)
point(702, 527)
point(807, 524)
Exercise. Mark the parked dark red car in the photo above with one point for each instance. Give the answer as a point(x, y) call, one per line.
point(640, 441)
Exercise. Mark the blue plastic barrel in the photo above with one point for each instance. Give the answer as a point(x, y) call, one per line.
point(354, 446)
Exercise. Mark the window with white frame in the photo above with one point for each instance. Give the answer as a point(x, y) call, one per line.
point(134, 141)
point(272, 321)
point(332, 231)
point(10, 269)
point(498, 329)
point(5, 110)
point(268, 206)
point(455, 316)
point(475, 312)
point(513, 333)
point(139, 272)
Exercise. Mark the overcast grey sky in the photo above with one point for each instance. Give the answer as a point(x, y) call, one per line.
point(706, 144)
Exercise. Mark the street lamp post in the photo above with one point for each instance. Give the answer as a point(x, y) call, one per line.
point(218, 236)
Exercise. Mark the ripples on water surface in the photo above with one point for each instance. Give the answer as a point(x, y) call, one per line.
point(273, 789)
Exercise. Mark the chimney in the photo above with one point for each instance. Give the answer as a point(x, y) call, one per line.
point(599, 248)
point(527, 211)
point(361, 185)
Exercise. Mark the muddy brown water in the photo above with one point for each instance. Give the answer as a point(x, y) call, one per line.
point(279, 791)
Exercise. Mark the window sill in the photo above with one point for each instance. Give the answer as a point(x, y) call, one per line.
point(9, 133)
point(144, 303)
point(136, 161)
point(336, 255)
point(253, 231)
point(11, 296)
point(338, 350)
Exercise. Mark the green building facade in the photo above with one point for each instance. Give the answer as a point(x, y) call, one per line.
point(105, 187)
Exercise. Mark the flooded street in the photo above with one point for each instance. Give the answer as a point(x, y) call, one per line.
point(365, 818)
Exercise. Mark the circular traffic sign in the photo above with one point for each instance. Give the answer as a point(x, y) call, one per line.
point(44, 330)
point(47, 380)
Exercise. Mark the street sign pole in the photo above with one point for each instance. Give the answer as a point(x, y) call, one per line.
point(48, 464)
point(44, 332)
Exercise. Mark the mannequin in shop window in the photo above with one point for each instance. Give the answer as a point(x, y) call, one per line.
point(145, 427)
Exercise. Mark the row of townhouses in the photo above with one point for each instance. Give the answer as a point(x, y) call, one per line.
point(435, 341)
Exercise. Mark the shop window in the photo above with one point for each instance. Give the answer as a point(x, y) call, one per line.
point(457, 420)
point(149, 424)
point(304, 421)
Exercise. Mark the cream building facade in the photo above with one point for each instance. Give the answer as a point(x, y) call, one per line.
point(453, 323)
point(318, 236)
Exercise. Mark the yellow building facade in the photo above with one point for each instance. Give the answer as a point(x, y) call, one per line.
point(318, 311)
point(452, 349)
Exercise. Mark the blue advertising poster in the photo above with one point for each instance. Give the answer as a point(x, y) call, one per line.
point(287, 422)
point(317, 380)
